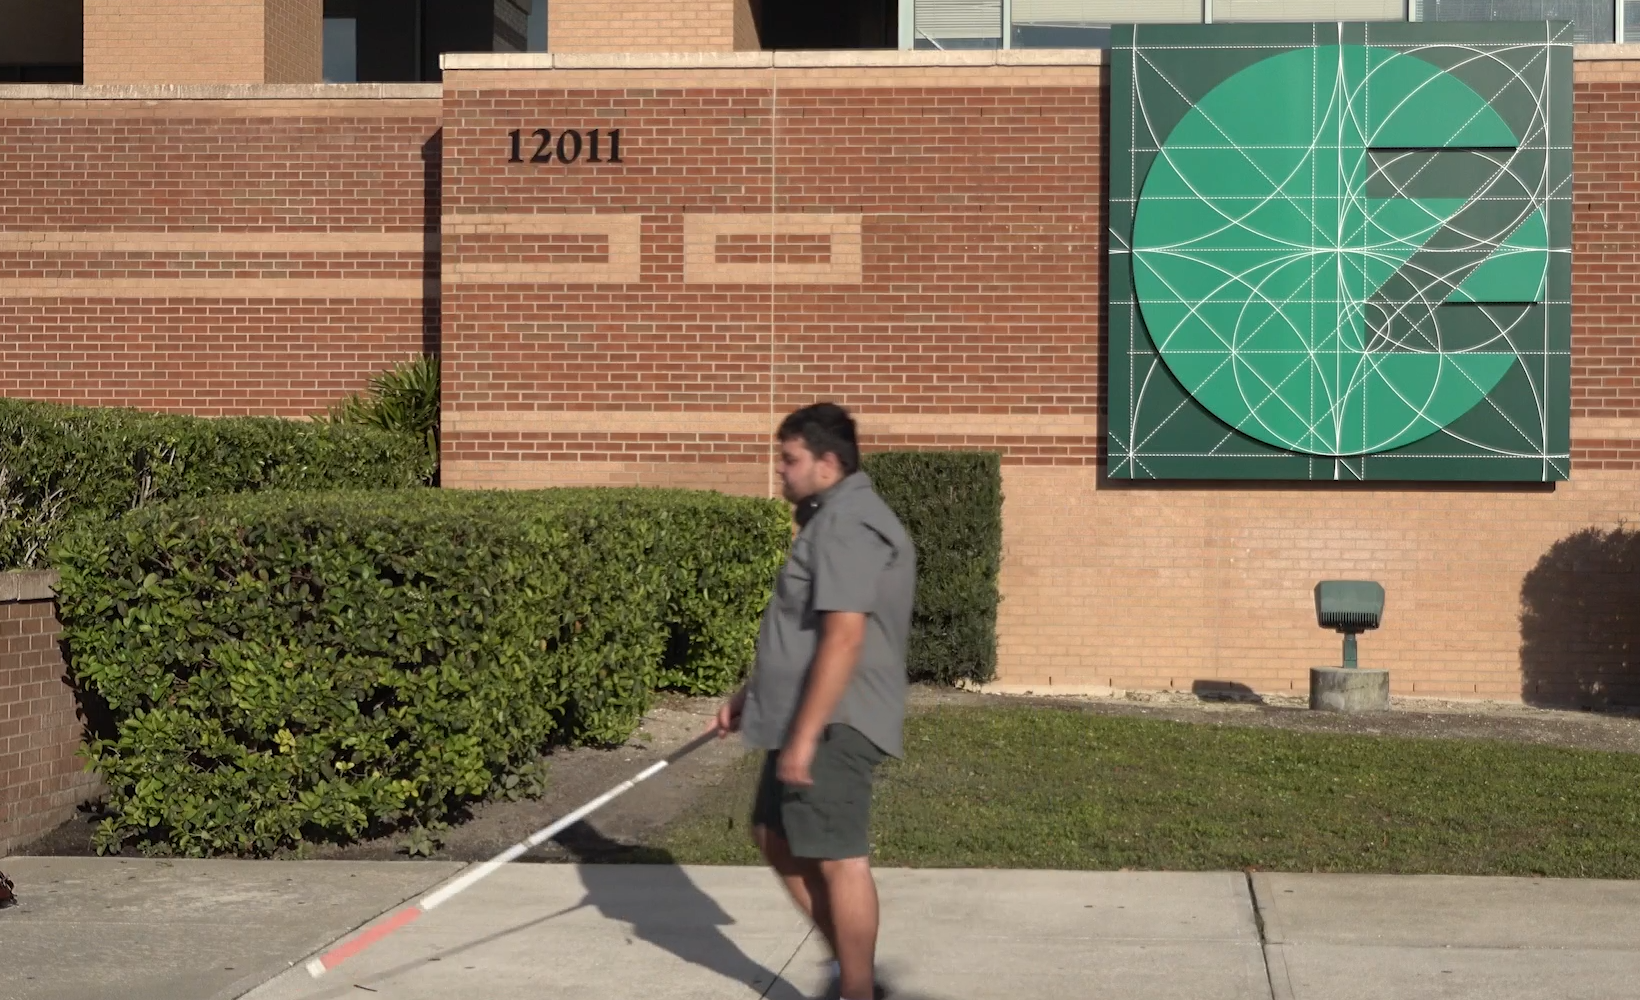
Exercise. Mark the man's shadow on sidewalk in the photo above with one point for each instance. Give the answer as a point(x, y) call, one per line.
point(606, 872)
point(610, 890)
point(669, 911)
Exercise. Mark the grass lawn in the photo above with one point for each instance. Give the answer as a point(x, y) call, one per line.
point(1053, 788)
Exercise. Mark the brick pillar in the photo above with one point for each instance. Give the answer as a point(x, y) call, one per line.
point(203, 41)
point(650, 26)
point(41, 777)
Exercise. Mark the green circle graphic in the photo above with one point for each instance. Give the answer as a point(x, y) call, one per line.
point(1282, 245)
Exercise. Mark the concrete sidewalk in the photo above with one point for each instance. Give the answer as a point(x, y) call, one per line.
point(145, 930)
point(88, 928)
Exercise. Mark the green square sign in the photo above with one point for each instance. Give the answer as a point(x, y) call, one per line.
point(1341, 251)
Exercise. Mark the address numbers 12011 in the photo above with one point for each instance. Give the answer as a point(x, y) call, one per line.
point(571, 144)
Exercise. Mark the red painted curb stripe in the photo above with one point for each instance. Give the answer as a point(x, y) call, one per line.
point(342, 953)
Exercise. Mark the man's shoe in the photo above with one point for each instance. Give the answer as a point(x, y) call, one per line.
point(834, 991)
point(878, 992)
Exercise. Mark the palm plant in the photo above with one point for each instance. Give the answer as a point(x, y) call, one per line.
point(404, 398)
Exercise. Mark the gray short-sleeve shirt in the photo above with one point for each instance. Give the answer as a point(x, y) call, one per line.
point(852, 555)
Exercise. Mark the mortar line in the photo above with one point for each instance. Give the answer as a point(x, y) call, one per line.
point(780, 973)
point(774, 209)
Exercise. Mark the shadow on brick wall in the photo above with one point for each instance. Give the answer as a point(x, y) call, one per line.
point(1580, 622)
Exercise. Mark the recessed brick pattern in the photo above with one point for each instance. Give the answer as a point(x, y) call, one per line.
point(215, 257)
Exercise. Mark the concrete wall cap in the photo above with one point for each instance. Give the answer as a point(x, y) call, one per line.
point(27, 585)
point(662, 60)
point(605, 60)
point(1051, 57)
point(886, 57)
point(842, 58)
point(220, 92)
point(495, 60)
point(889, 58)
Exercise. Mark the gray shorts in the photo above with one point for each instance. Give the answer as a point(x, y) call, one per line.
point(830, 819)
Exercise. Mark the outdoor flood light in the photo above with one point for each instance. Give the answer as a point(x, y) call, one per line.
point(1350, 607)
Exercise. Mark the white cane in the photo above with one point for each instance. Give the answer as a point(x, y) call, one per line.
point(347, 949)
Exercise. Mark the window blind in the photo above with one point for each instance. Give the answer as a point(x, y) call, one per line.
point(1309, 10)
point(1106, 11)
point(938, 19)
point(1592, 20)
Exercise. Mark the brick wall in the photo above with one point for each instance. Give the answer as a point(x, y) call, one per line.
point(293, 41)
point(203, 41)
point(746, 37)
point(41, 778)
point(1606, 217)
point(174, 41)
point(649, 26)
point(258, 250)
point(918, 236)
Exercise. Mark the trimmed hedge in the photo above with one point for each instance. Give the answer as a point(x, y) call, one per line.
point(951, 504)
point(282, 667)
point(61, 462)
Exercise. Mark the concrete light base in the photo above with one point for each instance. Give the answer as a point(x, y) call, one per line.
point(1338, 689)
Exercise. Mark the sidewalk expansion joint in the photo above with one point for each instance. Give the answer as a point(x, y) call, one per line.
point(1278, 988)
point(780, 973)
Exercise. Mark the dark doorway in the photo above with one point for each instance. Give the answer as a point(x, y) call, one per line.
point(843, 24)
point(42, 42)
point(400, 41)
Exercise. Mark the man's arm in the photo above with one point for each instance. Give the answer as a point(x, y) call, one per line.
point(841, 635)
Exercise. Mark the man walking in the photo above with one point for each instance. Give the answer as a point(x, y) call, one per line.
point(826, 697)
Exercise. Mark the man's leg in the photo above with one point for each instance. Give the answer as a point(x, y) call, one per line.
point(801, 876)
point(828, 825)
point(803, 880)
point(851, 894)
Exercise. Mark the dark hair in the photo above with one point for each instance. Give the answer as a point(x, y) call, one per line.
point(825, 428)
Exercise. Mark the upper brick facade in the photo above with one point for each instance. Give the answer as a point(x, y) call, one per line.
point(651, 26)
point(203, 41)
point(258, 255)
point(293, 41)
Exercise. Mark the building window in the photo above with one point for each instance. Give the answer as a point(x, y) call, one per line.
point(1592, 20)
point(986, 24)
point(538, 26)
point(1309, 10)
point(957, 24)
point(1085, 24)
point(400, 41)
point(341, 52)
point(42, 41)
